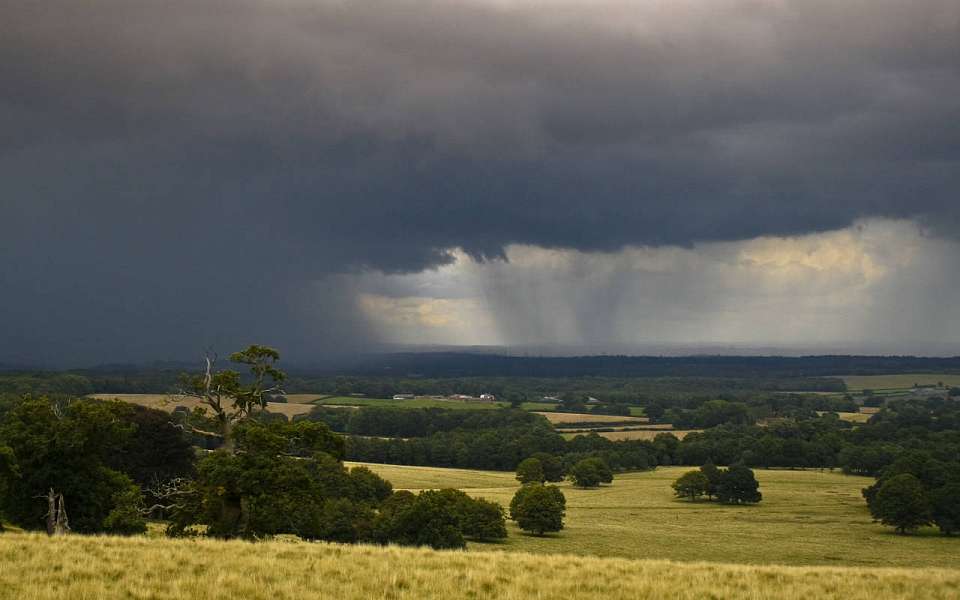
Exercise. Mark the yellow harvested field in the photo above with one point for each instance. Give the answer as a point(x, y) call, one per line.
point(169, 402)
point(36, 567)
point(560, 418)
point(853, 417)
point(642, 434)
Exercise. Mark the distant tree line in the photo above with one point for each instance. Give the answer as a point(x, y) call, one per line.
point(455, 364)
point(501, 449)
point(417, 422)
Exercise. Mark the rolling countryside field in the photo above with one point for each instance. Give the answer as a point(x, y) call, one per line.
point(297, 404)
point(805, 518)
point(898, 382)
point(559, 418)
point(34, 567)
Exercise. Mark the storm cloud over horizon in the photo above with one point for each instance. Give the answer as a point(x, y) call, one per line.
point(306, 172)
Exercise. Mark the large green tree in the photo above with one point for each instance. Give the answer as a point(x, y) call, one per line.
point(552, 466)
point(530, 470)
point(738, 485)
point(58, 474)
point(691, 485)
point(231, 397)
point(278, 479)
point(945, 507)
point(902, 503)
point(590, 472)
point(538, 509)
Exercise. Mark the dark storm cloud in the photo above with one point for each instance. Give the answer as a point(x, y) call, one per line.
point(169, 168)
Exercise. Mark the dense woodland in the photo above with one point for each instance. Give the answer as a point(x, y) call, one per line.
point(621, 377)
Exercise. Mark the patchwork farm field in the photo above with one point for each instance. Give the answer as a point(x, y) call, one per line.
point(36, 567)
point(635, 434)
point(297, 404)
point(806, 518)
point(853, 417)
point(902, 381)
point(559, 418)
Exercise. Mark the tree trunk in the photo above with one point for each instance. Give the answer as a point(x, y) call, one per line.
point(51, 512)
point(228, 445)
point(57, 522)
point(63, 525)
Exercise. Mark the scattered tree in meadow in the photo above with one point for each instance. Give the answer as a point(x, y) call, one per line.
point(438, 518)
point(426, 519)
point(484, 521)
point(590, 472)
point(738, 485)
point(552, 466)
point(902, 503)
point(735, 485)
point(945, 508)
point(477, 519)
point(538, 508)
point(714, 476)
point(691, 485)
point(530, 471)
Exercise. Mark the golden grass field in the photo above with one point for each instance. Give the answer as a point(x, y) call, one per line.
point(558, 418)
point(806, 518)
point(297, 404)
point(902, 381)
point(35, 567)
point(642, 434)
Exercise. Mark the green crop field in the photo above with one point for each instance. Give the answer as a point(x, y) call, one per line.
point(902, 381)
point(415, 403)
point(806, 518)
point(35, 567)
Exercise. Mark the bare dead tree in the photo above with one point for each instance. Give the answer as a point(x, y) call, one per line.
point(225, 394)
point(167, 495)
point(57, 521)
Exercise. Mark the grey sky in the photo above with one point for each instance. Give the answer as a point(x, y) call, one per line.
point(171, 171)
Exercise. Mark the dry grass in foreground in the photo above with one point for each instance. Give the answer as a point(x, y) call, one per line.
point(34, 567)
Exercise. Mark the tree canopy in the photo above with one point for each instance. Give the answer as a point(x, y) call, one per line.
point(538, 508)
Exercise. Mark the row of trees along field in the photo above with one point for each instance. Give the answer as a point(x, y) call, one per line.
point(92, 466)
